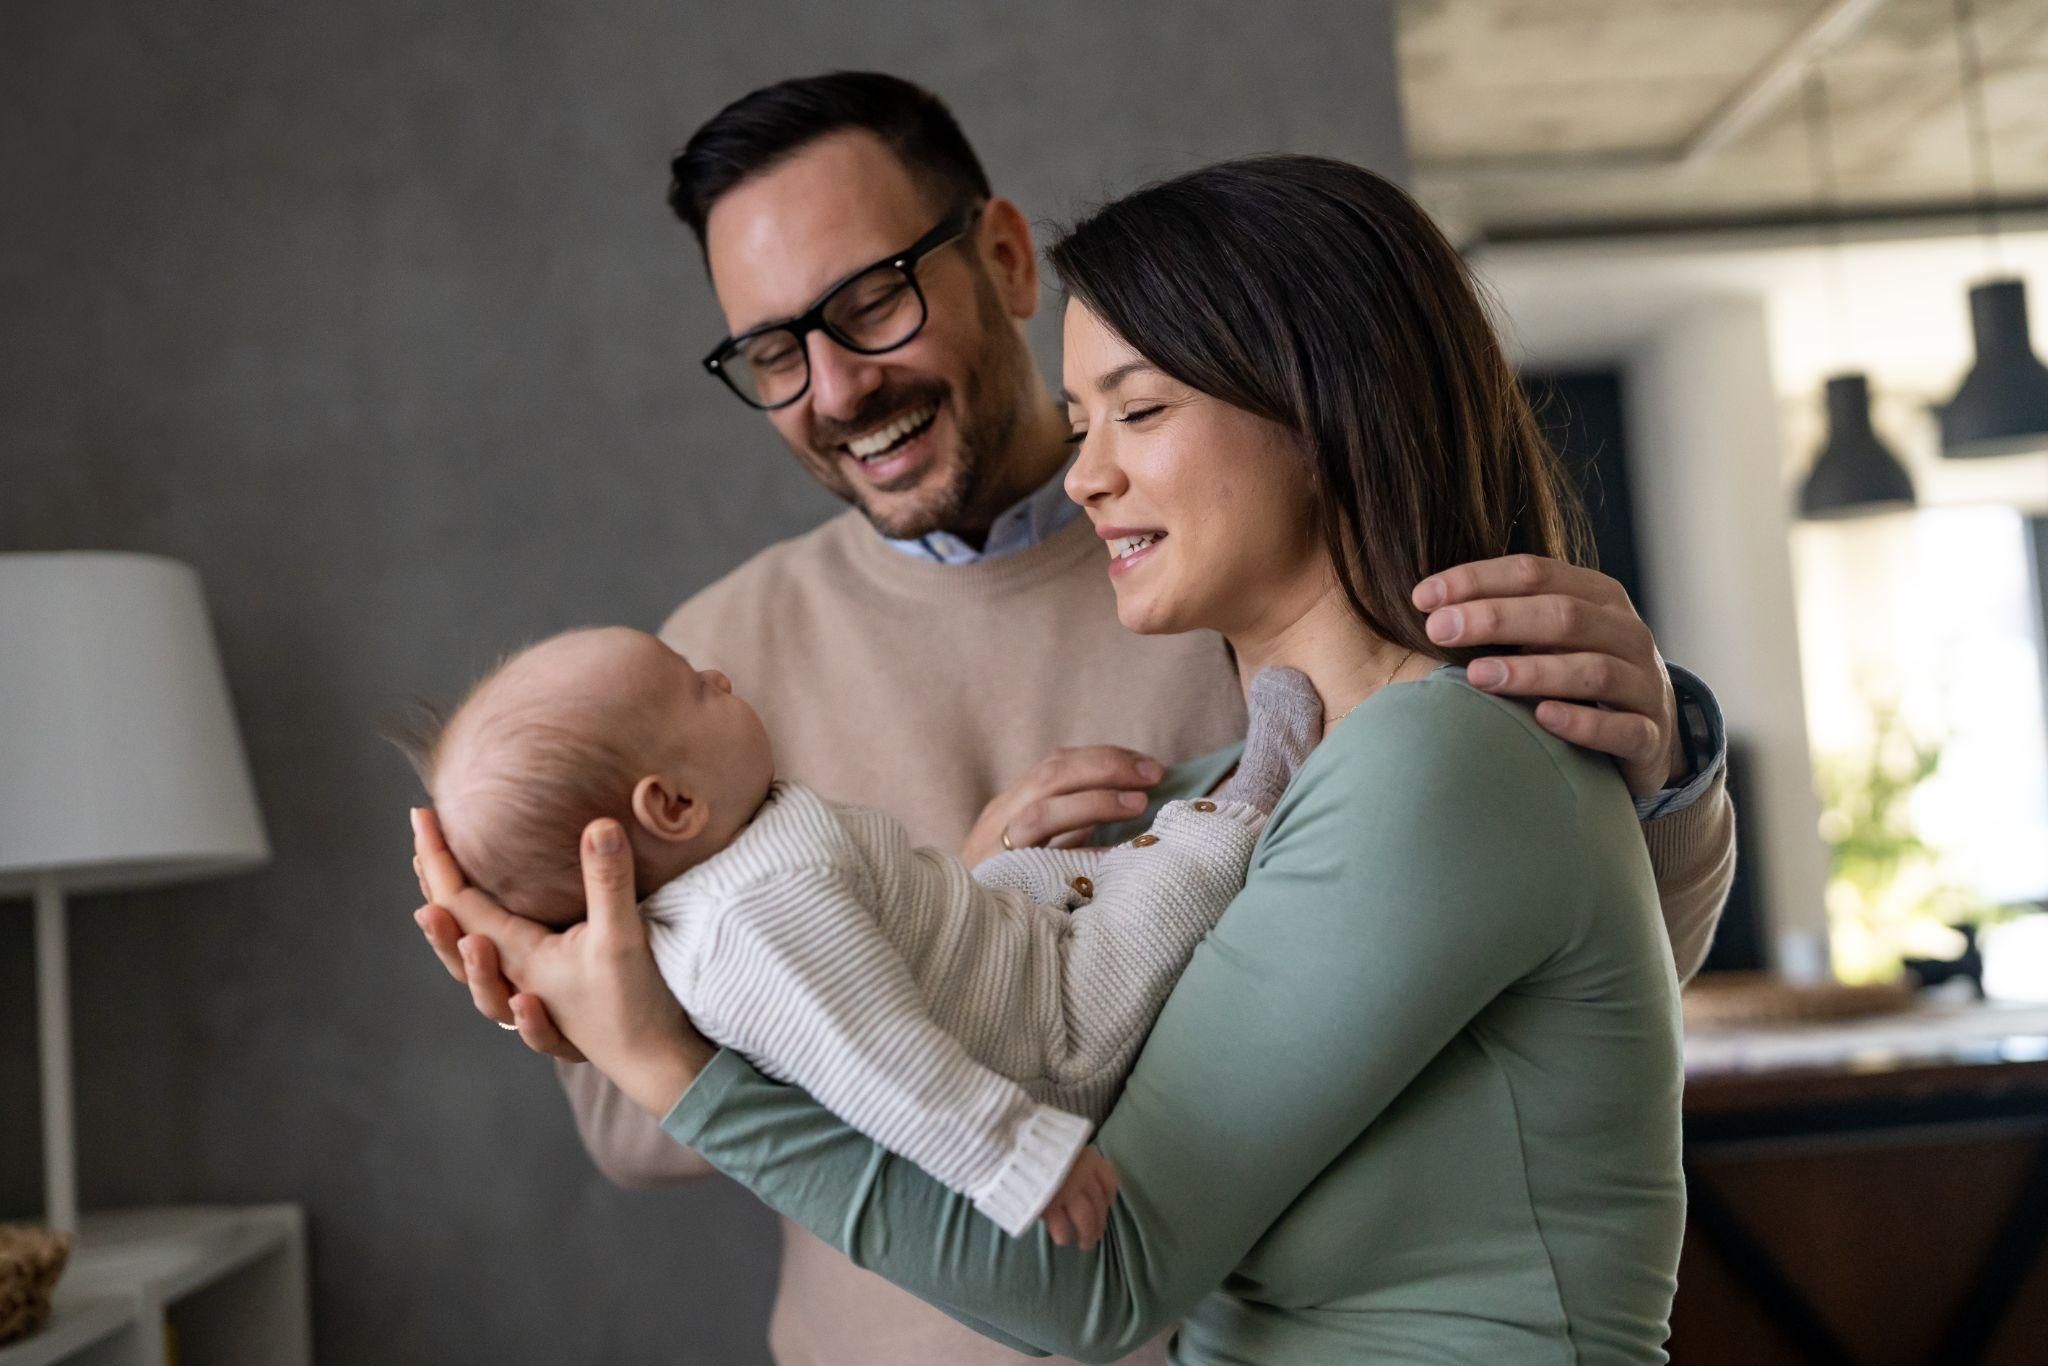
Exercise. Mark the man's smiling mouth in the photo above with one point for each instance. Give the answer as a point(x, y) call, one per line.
point(883, 441)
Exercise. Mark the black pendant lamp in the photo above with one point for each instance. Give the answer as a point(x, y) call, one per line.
point(1855, 474)
point(2002, 406)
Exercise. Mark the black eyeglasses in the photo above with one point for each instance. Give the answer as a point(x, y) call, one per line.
point(877, 308)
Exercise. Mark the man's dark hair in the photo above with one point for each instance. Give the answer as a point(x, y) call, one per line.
point(755, 131)
point(1319, 296)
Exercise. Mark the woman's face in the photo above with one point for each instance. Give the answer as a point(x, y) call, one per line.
point(1206, 509)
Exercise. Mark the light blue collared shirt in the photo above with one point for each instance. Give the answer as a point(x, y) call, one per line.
point(1047, 511)
point(1024, 525)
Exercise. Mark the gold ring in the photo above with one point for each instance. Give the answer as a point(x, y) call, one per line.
point(1006, 840)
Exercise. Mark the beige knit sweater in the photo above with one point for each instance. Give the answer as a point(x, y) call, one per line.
point(925, 689)
point(980, 1026)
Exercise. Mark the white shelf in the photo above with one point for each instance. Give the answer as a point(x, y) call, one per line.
point(230, 1281)
point(77, 1324)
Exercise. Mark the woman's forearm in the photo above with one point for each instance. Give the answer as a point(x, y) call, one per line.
point(626, 1144)
point(888, 1216)
point(658, 1073)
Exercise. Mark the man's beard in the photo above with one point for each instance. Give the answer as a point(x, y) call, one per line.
point(985, 418)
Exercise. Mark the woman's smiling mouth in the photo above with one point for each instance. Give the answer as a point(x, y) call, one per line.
point(1127, 546)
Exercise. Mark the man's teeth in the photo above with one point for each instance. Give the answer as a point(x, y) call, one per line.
point(1123, 547)
point(880, 441)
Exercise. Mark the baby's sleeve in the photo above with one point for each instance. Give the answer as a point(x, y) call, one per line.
point(1139, 910)
point(798, 976)
point(1049, 877)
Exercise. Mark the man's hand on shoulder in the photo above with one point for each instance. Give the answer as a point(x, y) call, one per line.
point(1582, 648)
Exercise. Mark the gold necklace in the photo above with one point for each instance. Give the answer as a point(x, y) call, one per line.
point(1374, 693)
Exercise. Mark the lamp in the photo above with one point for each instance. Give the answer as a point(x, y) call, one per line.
point(1856, 472)
point(2002, 406)
point(120, 768)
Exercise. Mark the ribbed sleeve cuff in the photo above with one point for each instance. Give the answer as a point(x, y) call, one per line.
point(1675, 839)
point(1046, 1145)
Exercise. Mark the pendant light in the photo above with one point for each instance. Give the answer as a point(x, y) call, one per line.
point(1855, 473)
point(2002, 406)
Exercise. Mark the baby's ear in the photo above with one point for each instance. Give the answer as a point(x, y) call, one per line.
point(667, 812)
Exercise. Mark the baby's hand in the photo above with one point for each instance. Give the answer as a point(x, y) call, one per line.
point(1080, 1211)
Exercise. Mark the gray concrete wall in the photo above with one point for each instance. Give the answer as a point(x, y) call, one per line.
point(374, 314)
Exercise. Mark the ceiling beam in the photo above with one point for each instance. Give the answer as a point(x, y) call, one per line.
point(1793, 226)
point(1833, 25)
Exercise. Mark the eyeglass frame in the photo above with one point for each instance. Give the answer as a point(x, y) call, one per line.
point(945, 232)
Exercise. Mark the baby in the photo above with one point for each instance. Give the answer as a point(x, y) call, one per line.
point(977, 1025)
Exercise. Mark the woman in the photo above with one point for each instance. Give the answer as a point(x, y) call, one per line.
point(1416, 1098)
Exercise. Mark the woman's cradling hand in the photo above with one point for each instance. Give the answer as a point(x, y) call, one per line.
point(591, 991)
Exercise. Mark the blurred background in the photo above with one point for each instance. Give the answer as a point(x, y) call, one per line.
point(375, 316)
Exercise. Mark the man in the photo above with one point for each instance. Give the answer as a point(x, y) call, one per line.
point(924, 651)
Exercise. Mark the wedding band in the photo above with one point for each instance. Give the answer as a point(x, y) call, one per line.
point(1006, 840)
point(512, 1027)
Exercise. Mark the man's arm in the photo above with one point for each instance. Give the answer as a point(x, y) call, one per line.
point(1693, 854)
point(1690, 828)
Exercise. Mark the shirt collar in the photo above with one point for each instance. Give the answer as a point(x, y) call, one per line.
point(1020, 527)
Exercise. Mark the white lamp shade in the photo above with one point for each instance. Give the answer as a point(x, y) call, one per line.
point(120, 762)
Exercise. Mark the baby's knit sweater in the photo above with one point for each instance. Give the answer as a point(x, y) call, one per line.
point(979, 1025)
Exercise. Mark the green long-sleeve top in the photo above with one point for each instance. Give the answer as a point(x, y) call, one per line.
point(1415, 1099)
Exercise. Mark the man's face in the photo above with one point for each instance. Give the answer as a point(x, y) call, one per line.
point(934, 420)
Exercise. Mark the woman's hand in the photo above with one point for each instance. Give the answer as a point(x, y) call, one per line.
point(473, 960)
point(1581, 640)
point(592, 989)
point(1062, 798)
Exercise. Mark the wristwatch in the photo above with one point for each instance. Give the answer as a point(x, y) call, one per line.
point(1695, 734)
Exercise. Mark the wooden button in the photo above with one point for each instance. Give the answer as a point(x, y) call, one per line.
point(1083, 886)
point(1204, 806)
point(1144, 841)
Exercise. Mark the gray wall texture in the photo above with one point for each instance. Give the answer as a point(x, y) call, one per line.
point(374, 314)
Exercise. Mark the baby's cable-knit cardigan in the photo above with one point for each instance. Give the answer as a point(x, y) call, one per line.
point(978, 1028)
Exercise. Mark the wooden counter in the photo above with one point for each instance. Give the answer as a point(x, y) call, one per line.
point(1873, 1192)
